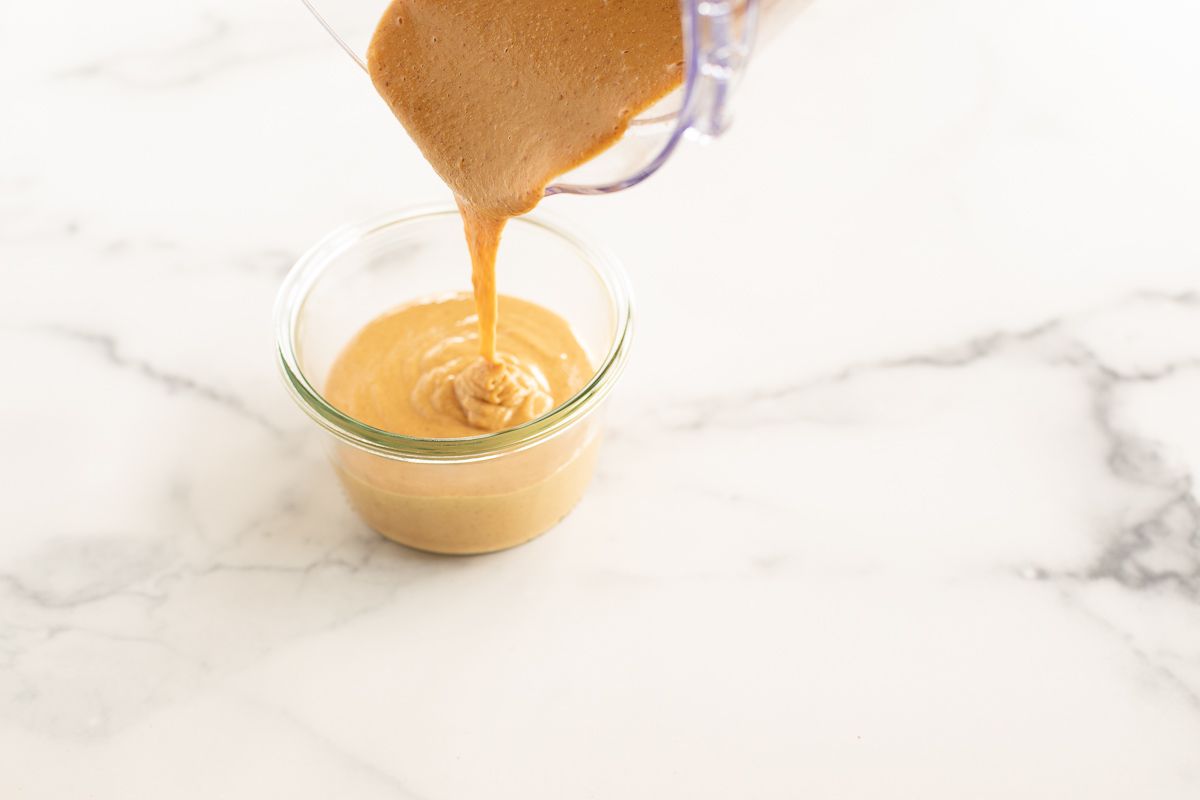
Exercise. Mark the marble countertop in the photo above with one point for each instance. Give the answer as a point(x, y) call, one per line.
point(899, 498)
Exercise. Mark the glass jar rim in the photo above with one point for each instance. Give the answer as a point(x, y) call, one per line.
point(294, 293)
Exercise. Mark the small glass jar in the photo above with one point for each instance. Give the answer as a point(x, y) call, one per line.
point(468, 495)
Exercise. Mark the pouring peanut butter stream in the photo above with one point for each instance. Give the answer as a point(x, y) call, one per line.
point(501, 98)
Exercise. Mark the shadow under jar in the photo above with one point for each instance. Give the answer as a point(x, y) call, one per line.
point(469, 495)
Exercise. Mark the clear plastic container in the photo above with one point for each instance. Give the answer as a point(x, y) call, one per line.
point(469, 495)
point(718, 37)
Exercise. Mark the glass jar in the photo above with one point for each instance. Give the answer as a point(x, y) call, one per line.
point(469, 495)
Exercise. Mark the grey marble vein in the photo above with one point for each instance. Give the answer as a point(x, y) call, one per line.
point(173, 382)
point(1163, 549)
point(1164, 674)
point(357, 764)
point(75, 572)
point(1137, 556)
point(696, 415)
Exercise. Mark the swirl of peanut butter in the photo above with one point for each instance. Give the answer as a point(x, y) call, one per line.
point(488, 395)
point(500, 394)
point(417, 370)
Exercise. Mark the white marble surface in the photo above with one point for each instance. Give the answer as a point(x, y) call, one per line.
point(899, 499)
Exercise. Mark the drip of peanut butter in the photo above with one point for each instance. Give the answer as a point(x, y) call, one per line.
point(483, 240)
point(502, 97)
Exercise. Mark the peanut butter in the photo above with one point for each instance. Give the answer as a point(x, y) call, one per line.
point(417, 370)
point(504, 96)
point(501, 97)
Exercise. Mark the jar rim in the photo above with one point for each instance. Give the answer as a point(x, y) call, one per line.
point(294, 293)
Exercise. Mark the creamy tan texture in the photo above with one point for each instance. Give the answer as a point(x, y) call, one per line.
point(473, 507)
point(503, 96)
point(417, 370)
point(483, 241)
